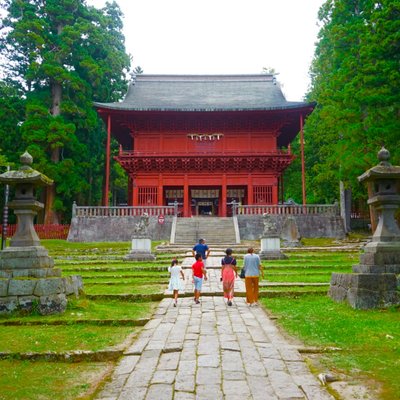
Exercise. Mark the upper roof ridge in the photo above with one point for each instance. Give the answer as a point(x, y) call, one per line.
point(208, 77)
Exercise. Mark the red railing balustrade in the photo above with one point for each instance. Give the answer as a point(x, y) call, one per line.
point(48, 231)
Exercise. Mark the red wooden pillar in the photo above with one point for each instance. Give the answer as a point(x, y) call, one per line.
point(160, 191)
point(135, 194)
point(222, 212)
point(130, 191)
point(249, 191)
point(275, 193)
point(106, 187)
point(303, 169)
point(186, 205)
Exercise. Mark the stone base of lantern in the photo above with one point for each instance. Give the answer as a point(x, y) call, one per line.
point(379, 257)
point(365, 291)
point(271, 249)
point(141, 250)
point(28, 257)
point(44, 295)
point(28, 282)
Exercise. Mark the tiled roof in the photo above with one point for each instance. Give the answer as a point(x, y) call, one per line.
point(203, 93)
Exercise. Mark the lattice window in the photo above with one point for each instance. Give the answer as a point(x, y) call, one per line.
point(205, 193)
point(174, 193)
point(147, 196)
point(262, 195)
point(239, 193)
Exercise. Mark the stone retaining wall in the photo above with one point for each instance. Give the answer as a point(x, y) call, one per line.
point(119, 229)
point(309, 226)
point(115, 229)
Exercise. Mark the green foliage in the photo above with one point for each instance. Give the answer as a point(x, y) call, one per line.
point(355, 78)
point(11, 116)
point(60, 56)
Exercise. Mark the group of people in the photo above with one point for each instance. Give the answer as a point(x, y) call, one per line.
point(252, 270)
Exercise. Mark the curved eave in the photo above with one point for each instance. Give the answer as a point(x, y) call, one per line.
point(14, 178)
point(121, 107)
point(380, 172)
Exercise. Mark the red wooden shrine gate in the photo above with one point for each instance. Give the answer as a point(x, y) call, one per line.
point(204, 142)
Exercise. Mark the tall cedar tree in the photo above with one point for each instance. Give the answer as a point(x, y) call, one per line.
point(64, 55)
point(355, 82)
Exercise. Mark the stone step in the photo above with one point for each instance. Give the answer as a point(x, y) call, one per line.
point(215, 248)
point(190, 230)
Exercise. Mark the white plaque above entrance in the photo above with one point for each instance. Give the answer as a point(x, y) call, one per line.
point(206, 137)
point(205, 193)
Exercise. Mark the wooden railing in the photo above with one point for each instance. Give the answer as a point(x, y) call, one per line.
point(310, 209)
point(122, 211)
point(53, 231)
point(174, 154)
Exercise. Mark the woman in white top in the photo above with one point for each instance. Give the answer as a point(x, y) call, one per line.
point(175, 283)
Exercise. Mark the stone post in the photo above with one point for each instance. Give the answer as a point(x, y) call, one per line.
point(270, 240)
point(290, 232)
point(345, 206)
point(74, 209)
point(373, 283)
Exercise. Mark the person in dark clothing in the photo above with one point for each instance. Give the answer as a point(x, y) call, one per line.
point(202, 249)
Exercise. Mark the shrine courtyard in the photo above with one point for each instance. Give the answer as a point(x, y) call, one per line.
point(125, 340)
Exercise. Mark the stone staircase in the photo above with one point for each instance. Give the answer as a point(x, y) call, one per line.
point(214, 230)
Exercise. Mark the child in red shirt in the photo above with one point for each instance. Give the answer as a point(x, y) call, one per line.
point(198, 271)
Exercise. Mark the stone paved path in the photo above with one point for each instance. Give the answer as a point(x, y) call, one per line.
point(211, 351)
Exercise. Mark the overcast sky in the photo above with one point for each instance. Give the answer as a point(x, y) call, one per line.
point(223, 37)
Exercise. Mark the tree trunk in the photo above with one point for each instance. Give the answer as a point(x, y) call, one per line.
point(51, 217)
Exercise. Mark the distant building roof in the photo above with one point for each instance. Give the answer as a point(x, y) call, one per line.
point(203, 93)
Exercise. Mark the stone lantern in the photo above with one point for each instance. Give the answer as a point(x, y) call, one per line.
point(374, 282)
point(27, 273)
point(25, 206)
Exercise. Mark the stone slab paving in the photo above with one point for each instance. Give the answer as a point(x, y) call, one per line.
point(211, 351)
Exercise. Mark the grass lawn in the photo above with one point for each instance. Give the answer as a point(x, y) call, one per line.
point(122, 288)
point(44, 380)
point(370, 340)
point(297, 278)
point(84, 309)
point(61, 338)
